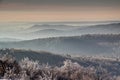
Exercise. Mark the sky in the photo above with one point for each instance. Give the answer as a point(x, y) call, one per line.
point(59, 10)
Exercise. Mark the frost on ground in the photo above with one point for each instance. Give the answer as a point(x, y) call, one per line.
point(27, 69)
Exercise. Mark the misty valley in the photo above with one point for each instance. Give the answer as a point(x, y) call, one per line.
point(60, 50)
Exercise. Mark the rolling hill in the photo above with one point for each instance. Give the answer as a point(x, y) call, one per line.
point(84, 45)
point(9, 40)
point(69, 30)
point(113, 28)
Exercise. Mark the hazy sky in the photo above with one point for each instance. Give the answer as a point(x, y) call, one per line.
point(59, 10)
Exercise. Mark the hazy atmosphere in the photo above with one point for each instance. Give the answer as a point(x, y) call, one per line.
point(56, 21)
point(59, 39)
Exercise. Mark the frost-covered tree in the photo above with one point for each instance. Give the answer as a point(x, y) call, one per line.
point(28, 69)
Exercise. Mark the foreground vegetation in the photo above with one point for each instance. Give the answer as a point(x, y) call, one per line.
point(27, 69)
point(16, 64)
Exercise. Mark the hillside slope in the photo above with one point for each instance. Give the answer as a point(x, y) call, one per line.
point(84, 45)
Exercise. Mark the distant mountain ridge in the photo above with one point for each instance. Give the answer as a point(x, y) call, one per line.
point(46, 26)
point(9, 40)
point(60, 25)
point(112, 28)
point(52, 31)
point(55, 29)
point(84, 45)
point(49, 31)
